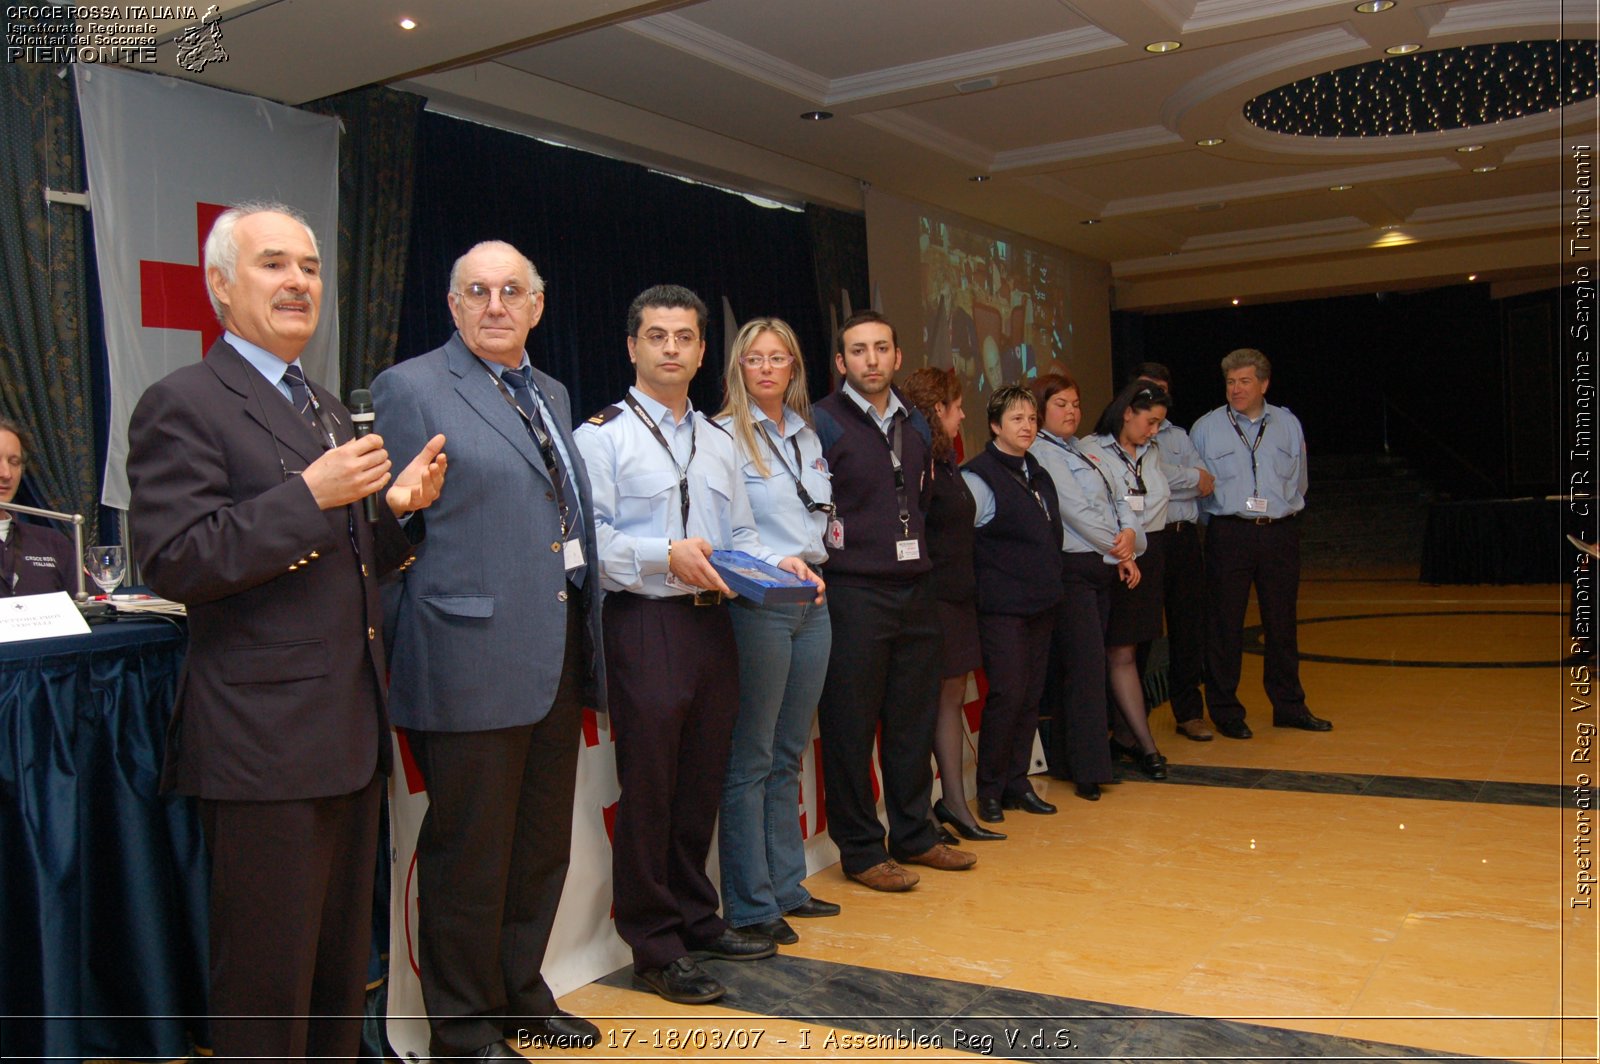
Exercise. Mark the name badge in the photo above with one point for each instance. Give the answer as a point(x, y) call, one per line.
point(907, 550)
point(1136, 503)
point(836, 533)
point(1256, 504)
point(572, 555)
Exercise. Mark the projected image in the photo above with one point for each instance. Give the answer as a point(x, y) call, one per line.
point(992, 310)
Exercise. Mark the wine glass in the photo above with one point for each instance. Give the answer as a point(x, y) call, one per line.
point(106, 566)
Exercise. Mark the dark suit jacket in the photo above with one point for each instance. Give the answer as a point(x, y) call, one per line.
point(479, 622)
point(282, 692)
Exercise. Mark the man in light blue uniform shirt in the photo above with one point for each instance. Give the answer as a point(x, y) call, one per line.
point(1258, 454)
point(668, 490)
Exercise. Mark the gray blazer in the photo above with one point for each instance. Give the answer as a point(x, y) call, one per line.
point(478, 622)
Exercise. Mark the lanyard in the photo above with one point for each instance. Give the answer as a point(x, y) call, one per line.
point(1025, 478)
point(547, 450)
point(811, 505)
point(1255, 489)
point(1111, 493)
point(683, 470)
point(899, 476)
point(1136, 468)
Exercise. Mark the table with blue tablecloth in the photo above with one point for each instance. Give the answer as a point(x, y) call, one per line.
point(102, 880)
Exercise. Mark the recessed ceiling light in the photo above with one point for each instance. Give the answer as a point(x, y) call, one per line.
point(1340, 188)
point(1386, 228)
point(1235, 302)
point(979, 178)
point(1372, 7)
point(1469, 147)
point(1210, 142)
point(1090, 221)
point(1484, 169)
point(1163, 46)
point(1472, 277)
point(1403, 49)
point(408, 23)
point(816, 116)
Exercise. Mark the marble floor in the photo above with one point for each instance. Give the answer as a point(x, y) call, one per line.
point(1398, 888)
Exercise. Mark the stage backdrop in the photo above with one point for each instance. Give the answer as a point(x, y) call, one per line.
point(165, 157)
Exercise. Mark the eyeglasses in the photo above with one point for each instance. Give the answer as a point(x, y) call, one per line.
point(777, 360)
point(658, 339)
point(476, 296)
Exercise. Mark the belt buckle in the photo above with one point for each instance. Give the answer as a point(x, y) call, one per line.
point(707, 598)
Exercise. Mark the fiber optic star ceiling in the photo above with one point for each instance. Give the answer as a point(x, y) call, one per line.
point(1427, 92)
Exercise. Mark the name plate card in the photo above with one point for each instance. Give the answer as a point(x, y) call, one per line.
point(40, 617)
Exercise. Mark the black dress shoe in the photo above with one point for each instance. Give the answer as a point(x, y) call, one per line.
point(682, 982)
point(1089, 792)
point(814, 907)
point(735, 944)
point(1029, 802)
point(560, 1031)
point(989, 810)
point(1234, 729)
point(1153, 765)
point(1306, 721)
point(970, 832)
point(945, 838)
point(778, 930)
point(1124, 751)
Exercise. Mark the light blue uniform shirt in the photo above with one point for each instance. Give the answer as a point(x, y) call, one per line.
point(1180, 462)
point(1153, 515)
point(1091, 515)
point(1280, 461)
point(783, 521)
point(576, 502)
point(885, 420)
point(637, 508)
point(266, 363)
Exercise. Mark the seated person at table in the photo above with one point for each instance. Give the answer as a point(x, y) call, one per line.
point(34, 560)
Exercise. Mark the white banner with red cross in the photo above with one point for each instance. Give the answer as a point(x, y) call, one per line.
point(165, 157)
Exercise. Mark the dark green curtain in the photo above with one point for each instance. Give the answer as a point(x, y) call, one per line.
point(377, 152)
point(45, 375)
point(839, 258)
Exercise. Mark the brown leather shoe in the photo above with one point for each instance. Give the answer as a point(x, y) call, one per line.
point(945, 858)
point(1196, 729)
point(888, 876)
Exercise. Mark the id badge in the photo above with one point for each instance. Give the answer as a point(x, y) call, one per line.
point(907, 550)
point(572, 555)
point(1136, 503)
point(835, 533)
point(1256, 504)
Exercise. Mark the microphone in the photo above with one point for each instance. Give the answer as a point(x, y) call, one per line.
point(362, 419)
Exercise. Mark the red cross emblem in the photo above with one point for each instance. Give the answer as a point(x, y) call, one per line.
point(174, 296)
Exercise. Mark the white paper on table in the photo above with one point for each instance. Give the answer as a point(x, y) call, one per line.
point(40, 617)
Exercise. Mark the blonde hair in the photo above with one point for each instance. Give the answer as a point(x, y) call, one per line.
point(736, 404)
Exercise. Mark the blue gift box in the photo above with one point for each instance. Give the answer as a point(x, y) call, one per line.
point(759, 582)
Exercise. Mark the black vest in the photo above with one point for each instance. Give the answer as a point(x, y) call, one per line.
point(1018, 553)
point(864, 491)
point(950, 534)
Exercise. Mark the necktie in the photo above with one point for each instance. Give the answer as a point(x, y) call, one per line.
point(521, 385)
point(300, 396)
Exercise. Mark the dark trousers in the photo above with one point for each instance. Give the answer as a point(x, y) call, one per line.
point(883, 670)
point(1184, 599)
point(1239, 553)
point(492, 858)
point(291, 923)
point(1016, 656)
point(1075, 689)
point(672, 678)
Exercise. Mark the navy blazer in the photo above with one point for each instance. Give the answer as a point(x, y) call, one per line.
point(479, 621)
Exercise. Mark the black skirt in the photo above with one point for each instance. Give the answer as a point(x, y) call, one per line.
point(1136, 614)
point(962, 652)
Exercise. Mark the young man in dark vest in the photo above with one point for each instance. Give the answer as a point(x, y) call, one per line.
point(884, 668)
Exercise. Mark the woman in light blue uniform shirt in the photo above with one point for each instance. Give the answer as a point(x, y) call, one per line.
point(1124, 439)
point(783, 650)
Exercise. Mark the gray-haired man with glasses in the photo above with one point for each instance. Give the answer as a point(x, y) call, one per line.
point(501, 611)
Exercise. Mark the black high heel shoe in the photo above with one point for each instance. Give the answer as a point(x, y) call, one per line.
point(970, 832)
point(1124, 751)
point(1153, 765)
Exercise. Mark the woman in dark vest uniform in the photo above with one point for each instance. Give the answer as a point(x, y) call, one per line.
point(34, 560)
point(1018, 561)
point(937, 394)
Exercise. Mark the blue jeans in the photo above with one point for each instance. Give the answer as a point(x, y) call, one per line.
point(783, 661)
